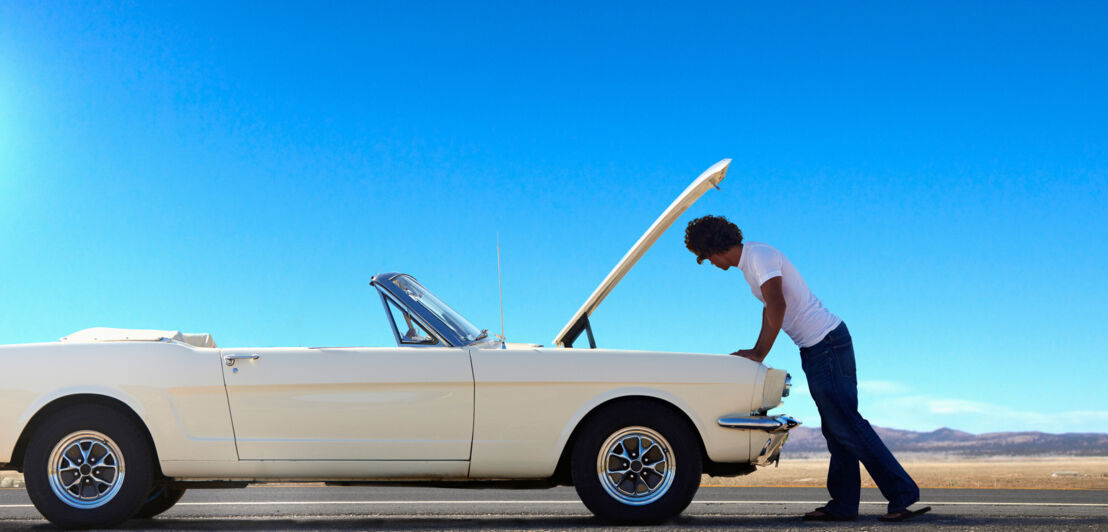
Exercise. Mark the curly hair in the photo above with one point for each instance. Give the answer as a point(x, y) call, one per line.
point(708, 235)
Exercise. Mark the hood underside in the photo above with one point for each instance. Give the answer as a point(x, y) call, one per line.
point(579, 322)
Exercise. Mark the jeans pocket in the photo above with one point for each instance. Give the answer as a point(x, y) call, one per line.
point(817, 366)
point(844, 361)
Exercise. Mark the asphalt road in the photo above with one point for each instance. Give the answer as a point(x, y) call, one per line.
point(715, 508)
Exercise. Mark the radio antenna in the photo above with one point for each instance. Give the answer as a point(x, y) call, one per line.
point(500, 285)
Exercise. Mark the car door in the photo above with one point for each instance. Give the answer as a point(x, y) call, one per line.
point(350, 403)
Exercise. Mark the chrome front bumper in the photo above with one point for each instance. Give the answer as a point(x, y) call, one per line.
point(777, 427)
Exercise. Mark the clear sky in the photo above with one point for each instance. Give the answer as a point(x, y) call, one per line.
point(938, 172)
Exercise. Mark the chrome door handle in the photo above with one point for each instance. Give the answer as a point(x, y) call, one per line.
point(230, 359)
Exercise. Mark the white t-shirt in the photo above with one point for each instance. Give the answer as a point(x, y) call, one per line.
point(806, 321)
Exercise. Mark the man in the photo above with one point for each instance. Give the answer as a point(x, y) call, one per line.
point(827, 356)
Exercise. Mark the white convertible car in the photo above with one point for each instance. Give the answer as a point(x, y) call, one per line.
point(112, 424)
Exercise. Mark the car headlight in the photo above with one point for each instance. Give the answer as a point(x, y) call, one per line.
point(776, 386)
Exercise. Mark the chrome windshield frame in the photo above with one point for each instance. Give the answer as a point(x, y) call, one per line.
point(384, 284)
point(385, 300)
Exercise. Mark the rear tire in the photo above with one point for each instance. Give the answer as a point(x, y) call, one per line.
point(160, 499)
point(88, 466)
point(636, 463)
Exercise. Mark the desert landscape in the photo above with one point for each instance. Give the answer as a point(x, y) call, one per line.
point(947, 458)
point(932, 472)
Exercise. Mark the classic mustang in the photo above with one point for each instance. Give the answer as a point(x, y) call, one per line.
point(113, 424)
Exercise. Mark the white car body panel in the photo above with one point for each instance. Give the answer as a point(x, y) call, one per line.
point(315, 470)
point(529, 401)
point(352, 403)
point(177, 390)
point(293, 407)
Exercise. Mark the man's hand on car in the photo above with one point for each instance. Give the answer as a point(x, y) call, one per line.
point(751, 354)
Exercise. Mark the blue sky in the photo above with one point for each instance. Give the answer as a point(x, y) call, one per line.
point(937, 171)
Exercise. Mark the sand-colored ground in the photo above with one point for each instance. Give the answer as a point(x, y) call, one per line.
point(1036, 473)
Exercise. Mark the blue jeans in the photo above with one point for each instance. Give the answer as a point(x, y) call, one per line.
point(829, 367)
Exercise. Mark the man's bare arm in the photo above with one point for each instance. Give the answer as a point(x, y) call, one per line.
point(773, 315)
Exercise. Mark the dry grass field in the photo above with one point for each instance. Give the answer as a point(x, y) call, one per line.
point(932, 472)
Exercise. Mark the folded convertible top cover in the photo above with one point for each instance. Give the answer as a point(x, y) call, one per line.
point(107, 334)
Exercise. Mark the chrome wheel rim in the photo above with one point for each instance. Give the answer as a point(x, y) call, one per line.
point(85, 469)
point(636, 466)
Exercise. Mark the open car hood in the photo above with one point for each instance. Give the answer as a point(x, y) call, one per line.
point(580, 321)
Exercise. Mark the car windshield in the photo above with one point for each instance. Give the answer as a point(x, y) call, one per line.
point(462, 327)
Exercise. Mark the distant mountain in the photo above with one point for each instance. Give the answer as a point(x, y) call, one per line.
point(950, 441)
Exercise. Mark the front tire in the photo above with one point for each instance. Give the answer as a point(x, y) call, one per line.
point(88, 466)
point(160, 499)
point(636, 463)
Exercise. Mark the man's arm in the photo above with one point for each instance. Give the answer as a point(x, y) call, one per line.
point(773, 315)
